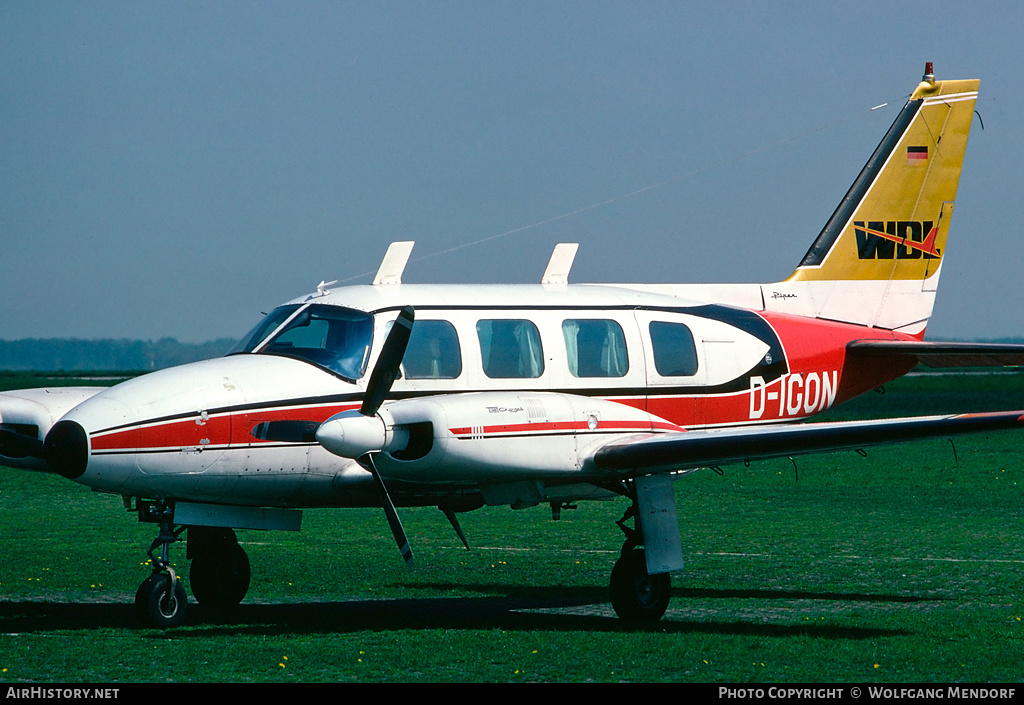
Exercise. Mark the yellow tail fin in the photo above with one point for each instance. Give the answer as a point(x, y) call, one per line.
point(877, 260)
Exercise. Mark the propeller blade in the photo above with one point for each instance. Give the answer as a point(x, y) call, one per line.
point(453, 520)
point(389, 510)
point(386, 369)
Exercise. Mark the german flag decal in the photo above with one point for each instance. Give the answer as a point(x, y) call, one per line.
point(917, 155)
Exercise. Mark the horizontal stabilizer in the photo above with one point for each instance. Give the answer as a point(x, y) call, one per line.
point(942, 354)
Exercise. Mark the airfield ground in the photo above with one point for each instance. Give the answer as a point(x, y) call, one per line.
point(902, 566)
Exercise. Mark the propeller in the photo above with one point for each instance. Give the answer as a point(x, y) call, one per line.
point(361, 434)
point(353, 434)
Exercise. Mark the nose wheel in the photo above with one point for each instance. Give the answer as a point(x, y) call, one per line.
point(161, 601)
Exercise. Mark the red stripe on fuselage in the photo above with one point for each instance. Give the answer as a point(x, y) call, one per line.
point(563, 426)
point(216, 430)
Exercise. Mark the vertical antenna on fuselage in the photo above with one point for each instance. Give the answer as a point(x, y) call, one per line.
point(562, 256)
point(393, 264)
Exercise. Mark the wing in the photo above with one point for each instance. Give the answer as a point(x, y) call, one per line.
point(682, 450)
point(941, 354)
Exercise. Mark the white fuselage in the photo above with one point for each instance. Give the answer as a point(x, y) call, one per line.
point(523, 371)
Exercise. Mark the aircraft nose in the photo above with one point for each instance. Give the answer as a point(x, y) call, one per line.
point(66, 449)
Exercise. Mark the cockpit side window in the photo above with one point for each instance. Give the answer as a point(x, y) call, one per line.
point(335, 338)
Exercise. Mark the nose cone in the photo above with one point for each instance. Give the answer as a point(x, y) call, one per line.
point(66, 449)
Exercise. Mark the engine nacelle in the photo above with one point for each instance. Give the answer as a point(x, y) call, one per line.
point(27, 415)
point(487, 436)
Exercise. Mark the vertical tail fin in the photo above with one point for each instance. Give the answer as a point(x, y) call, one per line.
point(877, 260)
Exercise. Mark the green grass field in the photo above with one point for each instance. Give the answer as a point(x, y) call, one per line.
point(904, 565)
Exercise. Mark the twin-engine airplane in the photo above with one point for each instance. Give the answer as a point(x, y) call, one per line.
point(395, 395)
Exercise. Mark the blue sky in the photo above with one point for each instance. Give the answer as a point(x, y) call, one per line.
point(174, 169)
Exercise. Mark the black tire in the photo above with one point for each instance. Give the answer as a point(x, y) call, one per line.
point(637, 596)
point(220, 579)
point(157, 605)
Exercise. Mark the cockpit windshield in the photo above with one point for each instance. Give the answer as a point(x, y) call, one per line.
point(331, 337)
point(265, 327)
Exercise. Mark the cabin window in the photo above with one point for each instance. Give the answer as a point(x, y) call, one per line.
point(433, 351)
point(595, 348)
point(510, 349)
point(675, 354)
point(335, 338)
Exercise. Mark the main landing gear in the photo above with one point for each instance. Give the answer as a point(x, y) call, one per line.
point(636, 595)
point(220, 569)
point(219, 577)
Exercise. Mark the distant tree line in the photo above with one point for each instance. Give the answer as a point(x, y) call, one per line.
point(70, 354)
point(108, 354)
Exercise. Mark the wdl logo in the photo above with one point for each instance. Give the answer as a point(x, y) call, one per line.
point(896, 239)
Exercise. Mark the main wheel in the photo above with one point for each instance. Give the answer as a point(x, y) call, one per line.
point(220, 578)
point(637, 596)
point(160, 605)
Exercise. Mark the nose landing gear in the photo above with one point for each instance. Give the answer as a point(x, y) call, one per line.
point(161, 600)
point(220, 571)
